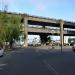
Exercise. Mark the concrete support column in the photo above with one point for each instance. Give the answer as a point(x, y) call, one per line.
point(61, 32)
point(25, 32)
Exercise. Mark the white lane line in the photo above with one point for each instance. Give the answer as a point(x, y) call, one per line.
point(3, 64)
point(50, 67)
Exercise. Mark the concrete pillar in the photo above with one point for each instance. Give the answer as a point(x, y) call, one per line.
point(61, 32)
point(25, 32)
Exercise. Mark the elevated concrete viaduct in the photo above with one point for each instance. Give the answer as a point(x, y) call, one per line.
point(43, 32)
point(41, 21)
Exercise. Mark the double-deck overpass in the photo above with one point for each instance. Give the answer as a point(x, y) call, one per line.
point(44, 32)
point(44, 22)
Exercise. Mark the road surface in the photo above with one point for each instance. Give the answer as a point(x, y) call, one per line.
point(34, 61)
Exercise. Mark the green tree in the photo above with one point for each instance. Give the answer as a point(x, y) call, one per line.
point(71, 40)
point(3, 22)
point(49, 39)
point(13, 29)
point(10, 27)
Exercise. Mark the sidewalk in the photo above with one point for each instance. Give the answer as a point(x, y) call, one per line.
point(54, 47)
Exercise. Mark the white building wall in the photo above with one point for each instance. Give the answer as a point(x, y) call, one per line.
point(65, 39)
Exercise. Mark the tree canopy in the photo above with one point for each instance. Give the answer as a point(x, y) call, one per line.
point(71, 40)
point(10, 27)
point(49, 39)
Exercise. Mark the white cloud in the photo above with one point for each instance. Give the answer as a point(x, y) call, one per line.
point(39, 5)
point(42, 5)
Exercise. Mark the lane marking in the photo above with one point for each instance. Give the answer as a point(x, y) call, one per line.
point(3, 64)
point(50, 67)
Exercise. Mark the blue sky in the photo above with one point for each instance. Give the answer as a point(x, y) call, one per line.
point(58, 9)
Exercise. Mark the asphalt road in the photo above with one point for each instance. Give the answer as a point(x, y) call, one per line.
point(34, 61)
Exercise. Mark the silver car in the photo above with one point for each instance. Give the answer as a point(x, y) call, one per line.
point(73, 47)
point(1, 51)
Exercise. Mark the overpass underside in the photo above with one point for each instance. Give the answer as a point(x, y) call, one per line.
point(44, 32)
point(55, 34)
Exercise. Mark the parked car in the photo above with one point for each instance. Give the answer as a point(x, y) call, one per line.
point(66, 44)
point(73, 47)
point(1, 51)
